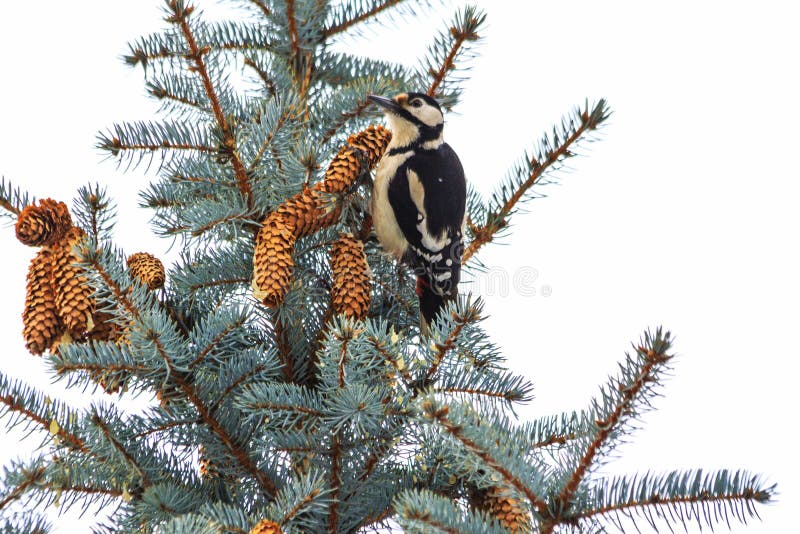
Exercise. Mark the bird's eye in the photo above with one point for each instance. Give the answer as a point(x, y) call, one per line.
point(416, 103)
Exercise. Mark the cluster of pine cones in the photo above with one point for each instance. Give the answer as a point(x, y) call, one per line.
point(311, 210)
point(59, 302)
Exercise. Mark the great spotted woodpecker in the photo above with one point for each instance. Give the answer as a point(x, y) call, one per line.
point(418, 199)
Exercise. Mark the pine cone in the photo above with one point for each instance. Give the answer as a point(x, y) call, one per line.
point(309, 211)
point(498, 503)
point(44, 224)
point(350, 292)
point(148, 269)
point(41, 327)
point(372, 142)
point(272, 260)
point(265, 526)
point(74, 300)
point(343, 171)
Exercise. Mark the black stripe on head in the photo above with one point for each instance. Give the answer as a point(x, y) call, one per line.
point(426, 98)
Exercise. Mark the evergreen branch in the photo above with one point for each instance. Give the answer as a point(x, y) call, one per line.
point(299, 506)
point(18, 398)
point(263, 75)
point(129, 459)
point(284, 350)
point(262, 6)
point(336, 451)
point(95, 212)
point(12, 199)
point(220, 282)
point(235, 384)
point(181, 17)
point(188, 389)
point(439, 413)
point(380, 347)
point(287, 113)
point(653, 357)
point(442, 348)
point(423, 511)
point(367, 14)
point(224, 436)
point(464, 29)
point(549, 157)
point(677, 494)
point(294, 38)
point(557, 429)
point(336, 483)
point(31, 478)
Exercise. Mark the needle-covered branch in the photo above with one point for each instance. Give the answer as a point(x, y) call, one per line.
point(12, 199)
point(449, 52)
point(624, 400)
point(676, 498)
point(23, 405)
point(535, 169)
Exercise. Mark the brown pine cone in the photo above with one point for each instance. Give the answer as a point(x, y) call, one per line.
point(313, 209)
point(372, 142)
point(41, 327)
point(309, 211)
point(148, 269)
point(498, 503)
point(265, 526)
point(350, 291)
point(44, 224)
point(273, 264)
point(74, 301)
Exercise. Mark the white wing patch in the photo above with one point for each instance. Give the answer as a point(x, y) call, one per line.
point(429, 241)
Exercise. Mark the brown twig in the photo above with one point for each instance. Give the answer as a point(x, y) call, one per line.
point(485, 233)
point(439, 414)
point(32, 479)
point(228, 138)
point(15, 406)
point(9, 207)
point(327, 32)
point(206, 415)
point(607, 426)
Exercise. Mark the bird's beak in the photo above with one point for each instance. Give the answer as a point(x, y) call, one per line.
point(386, 103)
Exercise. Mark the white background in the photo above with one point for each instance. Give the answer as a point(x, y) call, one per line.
point(683, 215)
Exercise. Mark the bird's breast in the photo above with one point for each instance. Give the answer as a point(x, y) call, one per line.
point(389, 233)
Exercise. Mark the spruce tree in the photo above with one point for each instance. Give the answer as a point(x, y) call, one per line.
point(292, 390)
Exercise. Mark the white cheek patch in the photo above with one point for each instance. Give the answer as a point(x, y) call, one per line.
point(429, 115)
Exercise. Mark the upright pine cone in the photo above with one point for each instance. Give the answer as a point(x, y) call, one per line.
point(41, 327)
point(44, 224)
point(273, 264)
point(74, 301)
point(148, 269)
point(497, 503)
point(350, 291)
point(265, 526)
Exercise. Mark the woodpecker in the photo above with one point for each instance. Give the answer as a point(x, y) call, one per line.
point(418, 199)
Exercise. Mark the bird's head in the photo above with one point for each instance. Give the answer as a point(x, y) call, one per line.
point(414, 118)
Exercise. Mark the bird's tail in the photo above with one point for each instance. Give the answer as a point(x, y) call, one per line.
point(430, 303)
